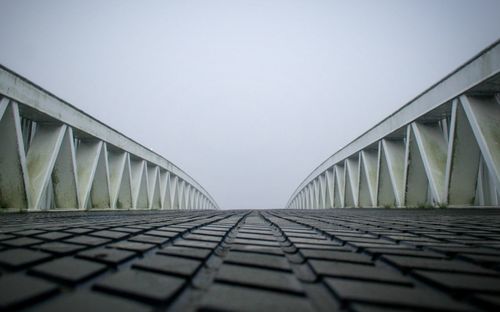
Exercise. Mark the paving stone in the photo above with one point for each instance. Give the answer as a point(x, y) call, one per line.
point(462, 246)
point(257, 259)
point(156, 240)
point(195, 253)
point(196, 244)
point(206, 238)
point(482, 259)
point(256, 242)
point(92, 301)
point(53, 235)
point(357, 271)
point(133, 246)
point(18, 258)
point(172, 229)
point(110, 234)
point(490, 301)
point(68, 270)
point(370, 245)
point(362, 239)
point(258, 277)
point(393, 295)
point(462, 282)
point(87, 240)
point(107, 255)
point(469, 250)
point(255, 231)
point(162, 233)
point(374, 307)
point(22, 242)
point(210, 232)
point(59, 248)
point(305, 235)
point(169, 265)
point(78, 230)
point(406, 252)
point(436, 264)
point(6, 236)
point(151, 287)
point(300, 240)
point(17, 290)
point(127, 229)
point(269, 237)
point(222, 297)
point(258, 249)
point(336, 256)
point(221, 229)
point(28, 232)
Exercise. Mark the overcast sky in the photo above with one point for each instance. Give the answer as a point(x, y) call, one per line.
point(248, 97)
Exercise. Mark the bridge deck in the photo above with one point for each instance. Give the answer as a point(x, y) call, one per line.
point(351, 259)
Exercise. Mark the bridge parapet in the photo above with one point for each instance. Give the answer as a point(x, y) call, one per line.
point(440, 149)
point(53, 156)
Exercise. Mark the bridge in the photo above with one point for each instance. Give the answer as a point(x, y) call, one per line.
point(92, 220)
point(440, 149)
point(56, 156)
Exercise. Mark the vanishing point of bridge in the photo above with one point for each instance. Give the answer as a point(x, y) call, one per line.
point(111, 225)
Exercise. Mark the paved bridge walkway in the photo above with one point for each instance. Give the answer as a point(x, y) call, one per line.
point(262, 260)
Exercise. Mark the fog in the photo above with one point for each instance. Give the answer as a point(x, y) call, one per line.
point(248, 97)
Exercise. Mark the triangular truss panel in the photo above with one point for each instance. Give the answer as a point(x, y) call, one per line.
point(64, 174)
point(166, 198)
point(316, 194)
point(339, 186)
point(174, 191)
point(432, 148)
point(329, 188)
point(368, 178)
point(119, 178)
point(139, 183)
point(92, 174)
point(13, 170)
point(322, 191)
point(483, 114)
point(351, 181)
point(41, 158)
point(417, 185)
point(463, 160)
point(391, 184)
point(154, 187)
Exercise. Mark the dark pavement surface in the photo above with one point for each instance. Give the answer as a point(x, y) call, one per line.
point(263, 260)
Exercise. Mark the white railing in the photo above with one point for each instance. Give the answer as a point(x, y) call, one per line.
point(53, 156)
point(440, 149)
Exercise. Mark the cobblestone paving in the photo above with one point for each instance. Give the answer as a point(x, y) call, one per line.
point(263, 260)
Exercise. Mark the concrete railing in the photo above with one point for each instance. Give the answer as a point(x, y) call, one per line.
point(440, 149)
point(52, 156)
